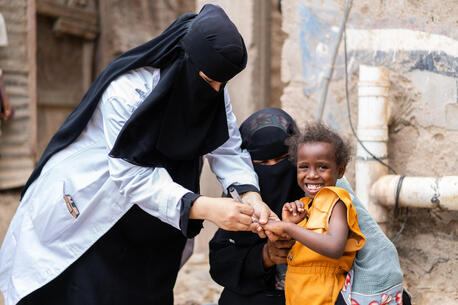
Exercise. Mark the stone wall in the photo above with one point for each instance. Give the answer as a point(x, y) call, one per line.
point(417, 42)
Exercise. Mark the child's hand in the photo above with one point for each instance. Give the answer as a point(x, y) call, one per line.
point(293, 212)
point(278, 228)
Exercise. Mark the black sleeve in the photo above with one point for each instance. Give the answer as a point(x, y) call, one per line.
point(243, 188)
point(189, 227)
point(236, 262)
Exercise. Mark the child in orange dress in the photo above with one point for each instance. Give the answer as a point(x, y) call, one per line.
point(324, 223)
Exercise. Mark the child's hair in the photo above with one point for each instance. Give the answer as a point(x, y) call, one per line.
point(319, 132)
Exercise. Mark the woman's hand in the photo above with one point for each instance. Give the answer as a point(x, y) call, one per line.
point(262, 212)
point(293, 212)
point(275, 252)
point(278, 228)
point(226, 213)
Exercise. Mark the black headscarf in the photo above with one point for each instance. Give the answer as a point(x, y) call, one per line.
point(263, 135)
point(183, 118)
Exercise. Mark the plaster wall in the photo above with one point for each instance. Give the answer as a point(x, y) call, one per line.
point(417, 42)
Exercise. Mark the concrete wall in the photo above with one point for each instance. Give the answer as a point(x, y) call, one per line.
point(417, 42)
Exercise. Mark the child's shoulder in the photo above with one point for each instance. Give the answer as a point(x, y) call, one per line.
point(340, 192)
point(329, 195)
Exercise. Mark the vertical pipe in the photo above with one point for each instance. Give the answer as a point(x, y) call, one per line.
point(328, 76)
point(373, 88)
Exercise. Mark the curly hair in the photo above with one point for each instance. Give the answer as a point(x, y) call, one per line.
point(319, 132)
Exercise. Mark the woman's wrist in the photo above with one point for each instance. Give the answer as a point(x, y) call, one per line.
point(200, 208)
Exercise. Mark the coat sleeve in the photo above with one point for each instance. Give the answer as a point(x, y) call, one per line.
point(231, 164)
point(151, 188)
point(236, 262)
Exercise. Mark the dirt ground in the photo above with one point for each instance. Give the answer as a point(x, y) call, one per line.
point(194, 285)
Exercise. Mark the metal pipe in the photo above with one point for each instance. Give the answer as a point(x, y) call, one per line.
point(328, 75)
point(373, 89)
point(419, 192)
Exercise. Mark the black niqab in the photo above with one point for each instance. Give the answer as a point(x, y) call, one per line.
point(263, 135)
point(183, 118)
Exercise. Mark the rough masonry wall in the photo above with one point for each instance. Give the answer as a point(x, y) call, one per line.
point(127, 24)
point(18, 135)
point(417, 42)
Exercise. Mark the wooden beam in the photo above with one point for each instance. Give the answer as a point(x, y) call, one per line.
point(55, 9)
point(73, 27)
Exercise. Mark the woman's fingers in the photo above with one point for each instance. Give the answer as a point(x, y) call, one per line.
point(277, 254)
point(272, 236)
point(261, 209)
point(283, 244)
point(245, 208)
point(240, 216)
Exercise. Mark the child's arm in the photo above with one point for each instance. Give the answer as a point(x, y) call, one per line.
point(331, 244)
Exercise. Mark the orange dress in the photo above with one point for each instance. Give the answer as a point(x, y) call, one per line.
point(312, 278)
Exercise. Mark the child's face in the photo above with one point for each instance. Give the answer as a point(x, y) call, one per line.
point(317, 167)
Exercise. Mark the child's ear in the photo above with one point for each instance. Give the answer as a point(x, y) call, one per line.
point(341, 170)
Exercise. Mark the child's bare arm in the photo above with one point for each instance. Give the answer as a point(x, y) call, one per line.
point(331, 244)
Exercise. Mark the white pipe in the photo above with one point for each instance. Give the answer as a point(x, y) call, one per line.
point(373, 89)
point(419, 192)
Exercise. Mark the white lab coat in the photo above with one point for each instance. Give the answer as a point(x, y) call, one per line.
point(44, 239)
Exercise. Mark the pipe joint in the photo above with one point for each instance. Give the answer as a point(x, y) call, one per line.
point(418, 192)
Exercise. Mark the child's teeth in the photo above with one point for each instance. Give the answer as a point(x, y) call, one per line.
point(313, 186)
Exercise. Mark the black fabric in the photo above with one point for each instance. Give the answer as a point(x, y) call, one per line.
point(278, 184)
point(243, 188)
point(264, 133)
point(220, 57)
point(236, 264)
point(189, 227)
point(268, 298)
point(136, 262)
point(340, 300)
point(406, 298)
point(236, 257)
point(183, 118)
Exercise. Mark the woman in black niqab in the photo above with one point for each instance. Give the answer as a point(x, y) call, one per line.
point(184, 117)
point(263, 135)
point(236, 258)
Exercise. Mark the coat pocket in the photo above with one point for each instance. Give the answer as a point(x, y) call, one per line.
point(52, 214)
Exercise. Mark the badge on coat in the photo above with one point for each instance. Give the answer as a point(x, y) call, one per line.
point(71, 206)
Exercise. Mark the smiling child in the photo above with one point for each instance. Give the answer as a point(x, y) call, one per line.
point(323, 223)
